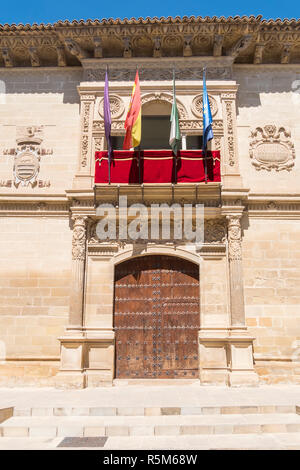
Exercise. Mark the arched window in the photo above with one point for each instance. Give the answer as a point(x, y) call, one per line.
point(156, 129)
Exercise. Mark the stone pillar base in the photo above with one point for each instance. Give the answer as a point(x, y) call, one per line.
point(87, 359)
point(226, 358)
point(68, 380)
point(243, 378)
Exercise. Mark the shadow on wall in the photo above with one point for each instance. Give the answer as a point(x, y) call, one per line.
point(252, 85)
point(65, 82)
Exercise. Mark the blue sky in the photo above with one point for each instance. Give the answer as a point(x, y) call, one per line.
point(49, 11)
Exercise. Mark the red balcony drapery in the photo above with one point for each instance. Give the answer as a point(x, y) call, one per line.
point(157, 166)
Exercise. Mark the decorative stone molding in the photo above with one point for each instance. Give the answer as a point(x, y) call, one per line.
point(234, 237)
point(242, 44)
point(236, 37)
point(197, 105)
point(79, 238)
point(117, 107)
point(26, 166)
point(98, 126)
point(167, 98)
point(214, 231)
point(34, 208)
point(271, 148)
point(230, 162)
point(161, 73)
point(189, 125)
point(87, 108)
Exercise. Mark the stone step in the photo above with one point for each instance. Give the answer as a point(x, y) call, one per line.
point(168, 425)
point(153, 411)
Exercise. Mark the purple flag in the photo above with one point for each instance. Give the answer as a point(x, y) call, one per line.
point(107, 119)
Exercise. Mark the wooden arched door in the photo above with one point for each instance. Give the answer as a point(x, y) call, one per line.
point(156, 318)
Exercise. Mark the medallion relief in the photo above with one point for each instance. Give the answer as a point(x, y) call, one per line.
point(271, 148)
point(197, 105)
point(117, 107)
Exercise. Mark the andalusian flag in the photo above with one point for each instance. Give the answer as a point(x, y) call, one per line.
point(133, 123)
point(175, 135)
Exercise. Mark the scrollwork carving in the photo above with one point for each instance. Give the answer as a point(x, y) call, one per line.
point(214, 231)
point(271, 148)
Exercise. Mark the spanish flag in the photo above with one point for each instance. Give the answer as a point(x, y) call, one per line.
point(133, 123)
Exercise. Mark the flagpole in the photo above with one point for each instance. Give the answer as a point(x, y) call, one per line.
point(205, 148)
point(205, 165)
point(109, 156)
point(175, 155)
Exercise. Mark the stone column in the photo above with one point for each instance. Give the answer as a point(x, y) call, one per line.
point(78, 271)
point(183, 142)
point(240, 343)
point(236, 270)
point(73, 344)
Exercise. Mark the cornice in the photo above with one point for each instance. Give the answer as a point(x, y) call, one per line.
point(64, 43)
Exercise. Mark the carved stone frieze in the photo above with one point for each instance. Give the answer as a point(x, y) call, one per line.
point(214, 231)
point(159, 73)
point(98, 126)
point(117, 107)
point(79, 238)
point(197, 105)
point(190, 125)
point(271, 148)
point(234, 237)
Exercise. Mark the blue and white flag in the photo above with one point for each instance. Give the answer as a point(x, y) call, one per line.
point(207, 118)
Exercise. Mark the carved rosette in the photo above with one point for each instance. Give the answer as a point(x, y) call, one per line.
point(197, 106)
point(79, 238)
point(117, 107)
point(271, 148)
point(234, 237)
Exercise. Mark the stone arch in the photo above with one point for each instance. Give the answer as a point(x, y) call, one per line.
point(163, 97)
point(130, 253)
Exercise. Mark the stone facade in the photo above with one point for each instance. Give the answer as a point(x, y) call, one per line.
point(57, 279)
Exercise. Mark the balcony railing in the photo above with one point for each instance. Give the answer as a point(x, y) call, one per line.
point(158, 166)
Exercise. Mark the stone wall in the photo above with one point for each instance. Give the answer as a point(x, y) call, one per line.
point(268, 96)
point(271, 260)
point(45, 98)
point(34, 296)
